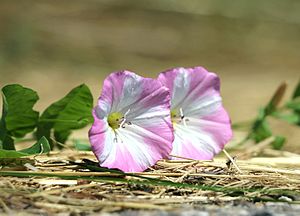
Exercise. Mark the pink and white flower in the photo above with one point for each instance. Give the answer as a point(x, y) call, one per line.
point(132, 126)
point(201, 125)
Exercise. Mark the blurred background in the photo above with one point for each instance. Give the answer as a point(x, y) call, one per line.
point(53, 46)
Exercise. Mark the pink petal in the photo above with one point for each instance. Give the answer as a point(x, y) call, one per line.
point(218, 125)
point(98, 133)
point(189, 84)
point(207, 125)
point(149, 135)
point(202, 139)
point(116, 90)
point(138, 146)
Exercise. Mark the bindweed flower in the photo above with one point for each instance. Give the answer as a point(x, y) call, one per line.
point(132, 126)
point(201, 125)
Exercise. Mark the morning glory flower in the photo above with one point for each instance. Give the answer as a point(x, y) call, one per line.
point(201, 125)
point(132, 126)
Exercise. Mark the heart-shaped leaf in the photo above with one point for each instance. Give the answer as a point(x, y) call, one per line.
point(18, 117)
point(80, 146)
point(74, 111)
point(42, 146)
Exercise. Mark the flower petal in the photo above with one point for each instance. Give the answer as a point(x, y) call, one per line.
point(126, 90)
point(193, 144)
point(120, 89)
point(177, 80)
point(203, 106)
point(218, 125)
point(189, 85)
point(206, 126)
point(146, 136)
point(131, 149)
point(97, 134)
point(154, 101)
point(202, 139)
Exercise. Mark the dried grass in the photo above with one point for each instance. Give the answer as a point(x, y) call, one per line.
point(219, 181)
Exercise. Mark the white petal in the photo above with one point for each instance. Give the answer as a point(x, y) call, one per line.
point(203, 106)
point(190, 142)
point(131, 92)
point(180, 88)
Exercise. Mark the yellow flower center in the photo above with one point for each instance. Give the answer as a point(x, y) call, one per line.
point(177, 116)
point(114, 120)
point(174, 116)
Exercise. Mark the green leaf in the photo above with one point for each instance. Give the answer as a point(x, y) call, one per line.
point(18, 117)
point(278, 142)
point(296, 91)
point(261, 131)
point(74, 111)
point(276, 99)
point(42, 146)
point(11, 154)
point(292, 118)
point(7, 142)
point(62, 136)
point(82, 146)
point(294, 104)
point(261, 116)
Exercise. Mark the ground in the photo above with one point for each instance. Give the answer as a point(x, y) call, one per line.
point(68, 182)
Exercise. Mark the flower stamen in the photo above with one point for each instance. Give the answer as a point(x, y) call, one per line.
point(177, 116)
point(182, 117)
point(124, 119)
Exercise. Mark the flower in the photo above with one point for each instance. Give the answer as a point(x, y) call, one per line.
point(201, 125)
point(132, 126)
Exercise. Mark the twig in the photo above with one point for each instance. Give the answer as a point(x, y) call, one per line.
point(101, 203)
point(5, 208)
point(256, 148)
point(232, 161)
point(57, 191)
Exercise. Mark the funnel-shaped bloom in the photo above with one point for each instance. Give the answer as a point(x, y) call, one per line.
point(201, 125)
point(132, 127)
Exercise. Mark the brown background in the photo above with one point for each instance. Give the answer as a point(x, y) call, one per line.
point(52, 46)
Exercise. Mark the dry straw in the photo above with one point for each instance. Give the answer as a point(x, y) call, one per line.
point(53, 184)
